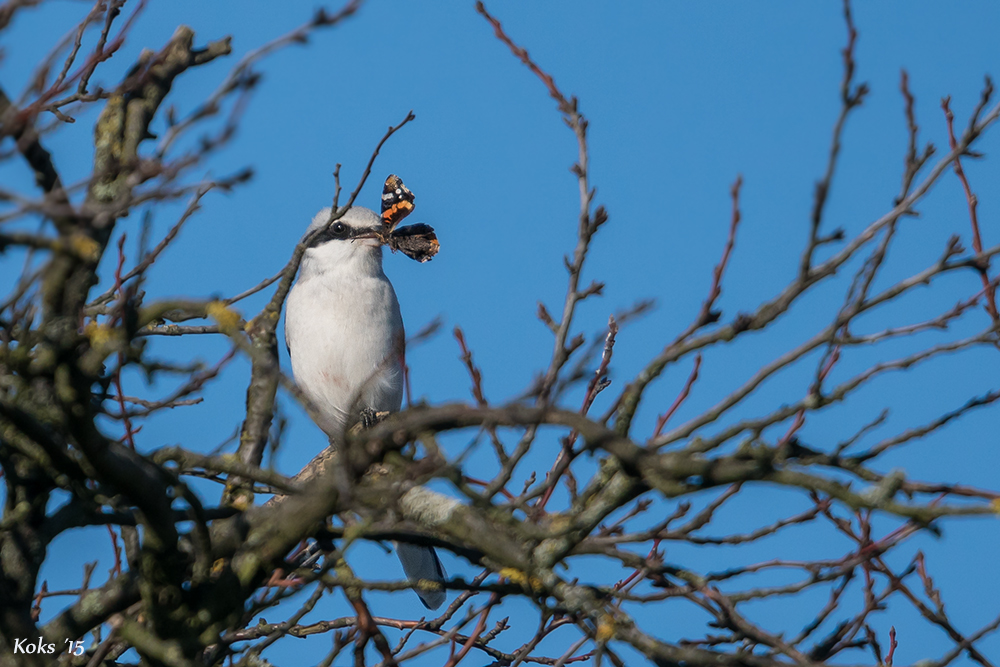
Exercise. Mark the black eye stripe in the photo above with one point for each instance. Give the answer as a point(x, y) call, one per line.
point(336, 231)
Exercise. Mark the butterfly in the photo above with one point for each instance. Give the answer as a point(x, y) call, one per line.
point(397, 203)
point(418, 242)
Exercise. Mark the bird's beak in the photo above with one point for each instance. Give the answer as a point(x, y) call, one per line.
point(368, 238)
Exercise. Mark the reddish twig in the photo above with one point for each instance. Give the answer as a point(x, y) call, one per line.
point(102, 53)
point(130, 431)
point(973, 201)
point(242, 77)
point(117, 569)
point(477, 392)
point(36, 607)
point(831, 359)
point(850, 98)
point(149, 258)
point(522, 54)
point(800, 416)
point(474, 372)
point(892, 646)
point(932, 593)
point(707, 315)
point(368, 630)
point(637, 574)
point(681, 397)
point(594, 387)
point(598, 382)
point(118, 278)
point(456, 658)
point(480, 482)
point(913, 162)
point(800, 419)
point(877, 563)
point(911, 116)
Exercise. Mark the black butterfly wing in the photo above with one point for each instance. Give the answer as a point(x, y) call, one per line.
point(417, 242)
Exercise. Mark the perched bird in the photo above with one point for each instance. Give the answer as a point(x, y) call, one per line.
point(342, 326)
point(345, 334)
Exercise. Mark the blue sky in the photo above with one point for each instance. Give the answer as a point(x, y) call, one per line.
point(681, 98)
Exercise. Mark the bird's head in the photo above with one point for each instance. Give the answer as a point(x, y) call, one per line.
point(351, 242)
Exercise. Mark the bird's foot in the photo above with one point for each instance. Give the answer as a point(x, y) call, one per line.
point(370, 418)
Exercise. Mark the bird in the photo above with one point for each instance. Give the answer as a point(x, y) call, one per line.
point(345, 336)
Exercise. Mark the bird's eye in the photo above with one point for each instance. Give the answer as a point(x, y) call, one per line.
point(340, 229)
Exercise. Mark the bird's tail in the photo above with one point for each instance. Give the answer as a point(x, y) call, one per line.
point(422, 563)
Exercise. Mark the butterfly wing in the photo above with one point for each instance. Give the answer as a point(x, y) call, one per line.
point(397, 203)
point(417, 242)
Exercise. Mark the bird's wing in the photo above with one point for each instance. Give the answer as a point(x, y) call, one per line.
point(422, 563)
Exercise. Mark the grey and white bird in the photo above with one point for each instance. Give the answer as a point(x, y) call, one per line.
point(346, 340)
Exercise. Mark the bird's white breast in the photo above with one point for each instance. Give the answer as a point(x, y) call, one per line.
point(345, 336)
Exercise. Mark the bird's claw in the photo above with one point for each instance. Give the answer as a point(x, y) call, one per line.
point(370, 418)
